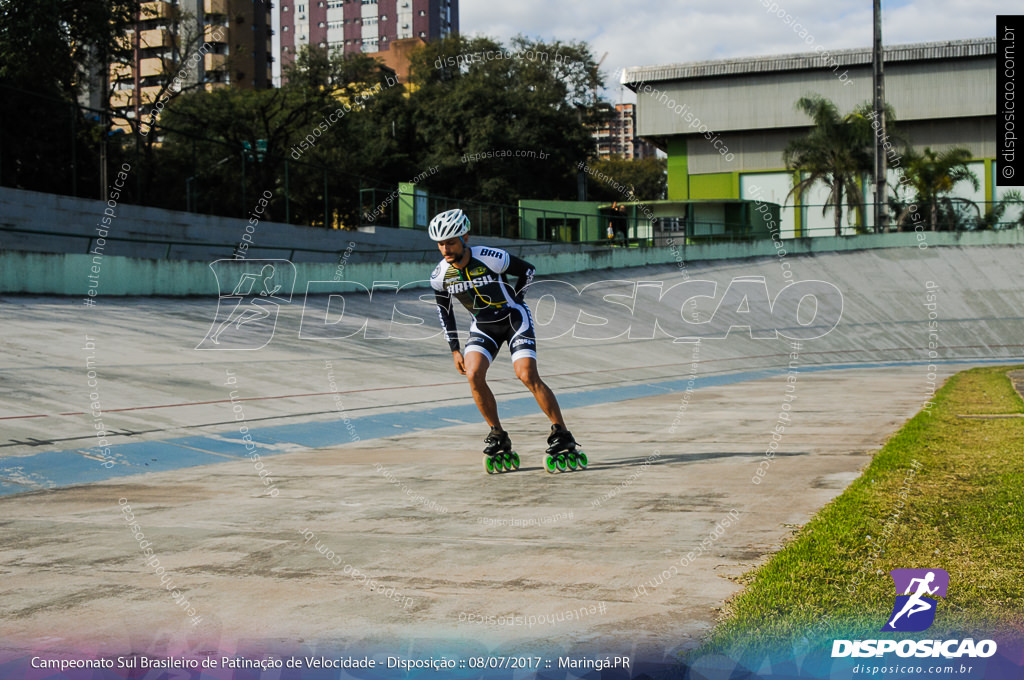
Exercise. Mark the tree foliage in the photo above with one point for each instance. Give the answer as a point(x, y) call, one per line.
point(314, 135)
point(51, 47)
point(486, 122)
point(644, 178)
point(474, 99)
point(932, 176)
point(837, 151)
point(48, 52)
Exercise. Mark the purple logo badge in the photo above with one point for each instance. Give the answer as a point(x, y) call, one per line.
point(914, 610)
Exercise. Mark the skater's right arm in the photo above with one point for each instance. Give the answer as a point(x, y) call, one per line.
point(447, 315)
point(446, 312)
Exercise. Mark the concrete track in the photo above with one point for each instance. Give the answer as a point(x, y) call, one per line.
point(377, 527)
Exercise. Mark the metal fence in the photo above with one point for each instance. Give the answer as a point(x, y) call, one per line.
point(67, 149)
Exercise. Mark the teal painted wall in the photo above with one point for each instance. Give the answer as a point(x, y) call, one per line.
point(68, 274)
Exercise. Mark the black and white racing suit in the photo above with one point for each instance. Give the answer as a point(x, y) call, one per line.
point(499, 313)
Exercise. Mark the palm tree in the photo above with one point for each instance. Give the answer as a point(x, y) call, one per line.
point(932, 175)
point(993, 215)
point(836, 151)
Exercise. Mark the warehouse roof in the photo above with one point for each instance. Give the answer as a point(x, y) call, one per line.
point(952, 49)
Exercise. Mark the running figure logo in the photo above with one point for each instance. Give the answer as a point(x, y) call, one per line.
point(914, 610)
point(251, 294)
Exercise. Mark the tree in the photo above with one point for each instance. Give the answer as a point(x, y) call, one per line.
point(184, 40)
point(995, 211)
point(53, 47)
point(835, 151)
point(501, 123)
point(49, 52)
point(643, 179)
point(933, 175)
point(318, 131)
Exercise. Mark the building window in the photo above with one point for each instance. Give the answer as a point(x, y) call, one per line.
point(423, 13)
point(422, 34)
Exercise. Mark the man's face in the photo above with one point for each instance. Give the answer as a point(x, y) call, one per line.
point(452, 249)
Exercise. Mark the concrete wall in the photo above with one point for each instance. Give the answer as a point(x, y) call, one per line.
point(75, 274)
point(72, 225)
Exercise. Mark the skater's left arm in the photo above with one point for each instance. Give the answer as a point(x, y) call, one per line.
point(522, 269)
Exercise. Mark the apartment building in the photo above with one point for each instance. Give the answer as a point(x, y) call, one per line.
point(369, 26)
point(179, 44)
point(617, 137)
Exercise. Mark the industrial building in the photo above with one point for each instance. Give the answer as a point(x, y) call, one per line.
point(724, 124)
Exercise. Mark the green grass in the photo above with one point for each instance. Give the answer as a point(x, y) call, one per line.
point(964, 513)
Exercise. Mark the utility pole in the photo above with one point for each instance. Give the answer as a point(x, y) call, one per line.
point(881, 167)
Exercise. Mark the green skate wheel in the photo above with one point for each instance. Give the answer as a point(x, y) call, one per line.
point(549, 464)
point(489, 465)
point(582, 459)
point(561, 463)
point(514, 460)
point(570, 460)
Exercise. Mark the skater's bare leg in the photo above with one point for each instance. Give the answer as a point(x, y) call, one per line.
point(476, 371)
point(526, 370)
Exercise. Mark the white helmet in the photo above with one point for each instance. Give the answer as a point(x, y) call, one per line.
point(449, 224)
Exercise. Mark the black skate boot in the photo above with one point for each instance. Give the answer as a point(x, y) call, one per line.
point(498, 454)
point(562, 453)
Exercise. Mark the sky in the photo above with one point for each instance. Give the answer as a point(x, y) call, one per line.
point(649, 32)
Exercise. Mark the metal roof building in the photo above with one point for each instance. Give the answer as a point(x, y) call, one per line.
point(724, 124)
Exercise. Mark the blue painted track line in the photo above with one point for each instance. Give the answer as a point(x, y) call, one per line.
point(56, 469)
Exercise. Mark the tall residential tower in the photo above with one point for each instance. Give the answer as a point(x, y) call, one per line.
point(360, 25)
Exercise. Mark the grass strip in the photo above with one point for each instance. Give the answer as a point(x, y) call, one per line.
point(944, 492)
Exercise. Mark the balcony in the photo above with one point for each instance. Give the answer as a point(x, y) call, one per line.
point(215, 62)
point(215, 6)
point(121, 99)
point(156, 10)
point(156, 37)
point(213, 33)
point(150, 94)
point(154, 66)
point(120, 72)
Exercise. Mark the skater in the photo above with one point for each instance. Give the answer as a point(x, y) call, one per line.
point(477, 277)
